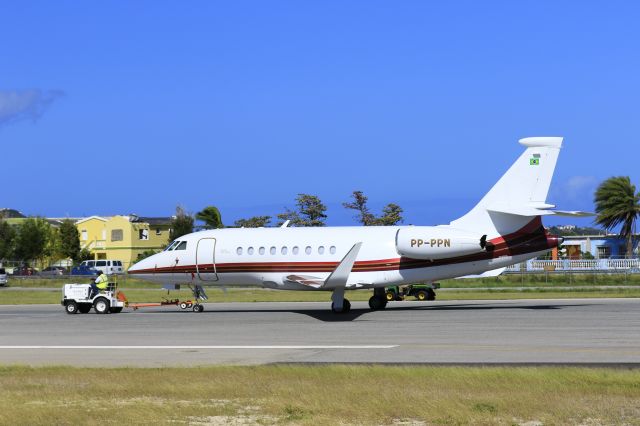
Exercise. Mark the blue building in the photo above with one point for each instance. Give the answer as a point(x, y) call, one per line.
point(599, 246)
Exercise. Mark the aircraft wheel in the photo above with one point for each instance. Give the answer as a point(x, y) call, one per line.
point(346, 307)
point(390, 296)
point(71, 307)
point(377, 303)
point(198, 308)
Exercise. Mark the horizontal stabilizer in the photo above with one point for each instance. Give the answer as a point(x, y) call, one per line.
point(537, 211)
point(573, 213)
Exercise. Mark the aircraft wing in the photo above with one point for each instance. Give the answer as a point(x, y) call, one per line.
point(307, 280)
point(491, 273)
point(337, 278)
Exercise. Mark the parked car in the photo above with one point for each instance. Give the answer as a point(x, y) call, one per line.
point(84, 270)
point(24, 271)
point(109, 267)
point(3, 277)
point(53, 271)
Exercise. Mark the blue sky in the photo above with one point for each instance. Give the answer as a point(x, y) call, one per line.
point(134, 107)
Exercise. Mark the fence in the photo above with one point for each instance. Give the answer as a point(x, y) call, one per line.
point(578, 265)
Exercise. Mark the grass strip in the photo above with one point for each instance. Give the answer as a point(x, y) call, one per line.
point(509, 280)
point(27, 297)
point(320, 395)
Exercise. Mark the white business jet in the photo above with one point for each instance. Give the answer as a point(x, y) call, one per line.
point(504, 228)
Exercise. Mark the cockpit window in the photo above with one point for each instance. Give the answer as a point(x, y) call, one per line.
point(171, 246)
point(181, 246)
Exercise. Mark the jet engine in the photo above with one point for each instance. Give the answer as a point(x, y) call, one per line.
point(427, 242)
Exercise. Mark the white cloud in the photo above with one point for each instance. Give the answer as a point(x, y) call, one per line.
point(30, 104)
point(576, 186)
point(575, 193)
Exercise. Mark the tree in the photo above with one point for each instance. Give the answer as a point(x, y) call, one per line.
point(85, 254)
point(69, 246)
point(311, 212)
point(181, 224)
point(210, 215)
point(145, 254)
point(7, 240)
point(618, 204)
point(391, 213)
point(32, 239)
point(253, 222)
point(359, 204)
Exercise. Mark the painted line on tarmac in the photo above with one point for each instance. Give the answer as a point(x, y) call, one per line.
point(203, 347)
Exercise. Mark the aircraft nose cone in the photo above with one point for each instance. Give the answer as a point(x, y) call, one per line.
point(139, 266)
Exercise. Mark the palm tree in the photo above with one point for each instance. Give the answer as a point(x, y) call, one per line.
point(210, 215)
point(618, 204)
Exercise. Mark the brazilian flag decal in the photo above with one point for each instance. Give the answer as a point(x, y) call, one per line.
point(535, 161)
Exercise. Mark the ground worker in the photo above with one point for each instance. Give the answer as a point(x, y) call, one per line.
point(101, 283)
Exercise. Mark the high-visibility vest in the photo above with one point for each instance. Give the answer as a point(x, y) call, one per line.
point(102, 281)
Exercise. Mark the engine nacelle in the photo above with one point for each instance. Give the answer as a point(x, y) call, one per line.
point(428, 242)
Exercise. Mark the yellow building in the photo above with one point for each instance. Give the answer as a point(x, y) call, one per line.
point(123, 237)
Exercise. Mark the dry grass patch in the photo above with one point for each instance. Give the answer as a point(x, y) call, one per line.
point(320, 395)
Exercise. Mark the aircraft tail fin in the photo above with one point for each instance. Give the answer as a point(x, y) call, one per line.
point(520, 194)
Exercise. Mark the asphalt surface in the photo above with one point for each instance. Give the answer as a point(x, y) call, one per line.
point(576, 331)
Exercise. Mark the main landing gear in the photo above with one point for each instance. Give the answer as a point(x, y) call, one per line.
point(378, 301)
point(346, 307)
point(339, 305)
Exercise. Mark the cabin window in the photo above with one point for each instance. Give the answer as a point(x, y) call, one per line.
point(295, 250)
point(272, 250)
point(239, 251)
point(332, 249)
point(307, 250)
point(283, 250)
point(261, 250)
point(250, 251)
point(321, 250)
point(181, 246)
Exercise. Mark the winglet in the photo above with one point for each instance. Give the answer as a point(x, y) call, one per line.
point(285, 224)
point(340, 275)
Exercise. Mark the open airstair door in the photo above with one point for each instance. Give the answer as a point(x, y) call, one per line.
point(205, 259)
